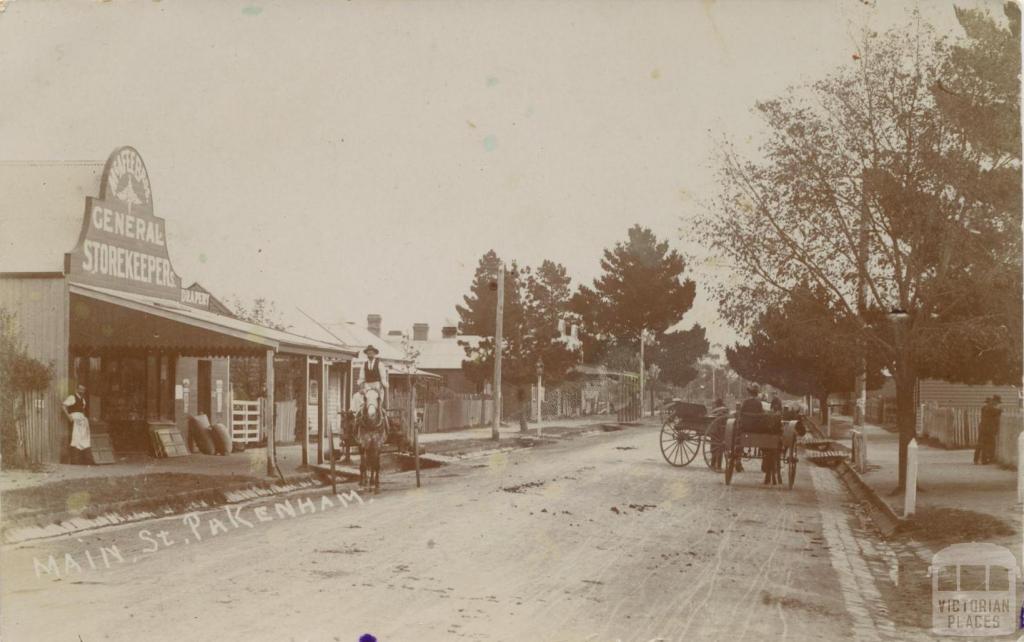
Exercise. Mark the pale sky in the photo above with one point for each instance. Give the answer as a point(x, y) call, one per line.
point(356, 157)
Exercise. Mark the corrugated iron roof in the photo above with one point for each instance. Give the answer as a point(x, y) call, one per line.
point(284, 341)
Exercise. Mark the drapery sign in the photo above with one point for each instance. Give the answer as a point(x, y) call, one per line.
point(122, 245)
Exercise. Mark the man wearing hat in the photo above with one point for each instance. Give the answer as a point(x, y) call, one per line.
point(752, 404)
point(373, 375)
point(988, 427)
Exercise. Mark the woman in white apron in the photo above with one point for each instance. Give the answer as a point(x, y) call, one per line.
point(74, 409)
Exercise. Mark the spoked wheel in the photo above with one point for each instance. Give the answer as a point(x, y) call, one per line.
point(792, 467)
point(714, 443)
point(679, 447)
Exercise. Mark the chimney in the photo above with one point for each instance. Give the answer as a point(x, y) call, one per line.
point(420, 331)
point(449, 332)
point(373, 324)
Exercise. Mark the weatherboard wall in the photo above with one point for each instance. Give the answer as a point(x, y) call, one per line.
point(40, 303)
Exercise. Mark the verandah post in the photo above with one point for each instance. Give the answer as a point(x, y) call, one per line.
point(271, 448)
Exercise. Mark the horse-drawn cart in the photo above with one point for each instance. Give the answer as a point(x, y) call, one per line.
point(762, 436)
point(687, 428)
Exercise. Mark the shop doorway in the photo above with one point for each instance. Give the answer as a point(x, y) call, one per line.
point(204, 389)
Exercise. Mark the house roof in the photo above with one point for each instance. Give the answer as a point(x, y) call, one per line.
point(442, 354)
point(42, 207)
point(351, 335)
point(602, 371)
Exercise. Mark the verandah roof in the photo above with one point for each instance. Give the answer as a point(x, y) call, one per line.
point(103, 319)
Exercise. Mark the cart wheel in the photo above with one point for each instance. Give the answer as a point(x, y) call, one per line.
point(679, 447)
point(714, 440)
point(729, 465)
point(792, 468)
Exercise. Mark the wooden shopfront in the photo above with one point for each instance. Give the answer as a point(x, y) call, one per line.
point(117, 319)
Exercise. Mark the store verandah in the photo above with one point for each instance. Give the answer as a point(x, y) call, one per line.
point(150, 363)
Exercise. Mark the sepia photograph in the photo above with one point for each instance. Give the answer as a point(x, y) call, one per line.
point(559, 321)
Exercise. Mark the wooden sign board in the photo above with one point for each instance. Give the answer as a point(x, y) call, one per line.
point(168, 442)
point(102, 450)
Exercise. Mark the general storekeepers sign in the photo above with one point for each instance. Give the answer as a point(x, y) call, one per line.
point(123, 246)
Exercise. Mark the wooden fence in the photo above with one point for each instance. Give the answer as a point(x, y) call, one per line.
point(452, 414)
point(958, 428)
point(1010, 427)
point(952, 427)
point(41, 426)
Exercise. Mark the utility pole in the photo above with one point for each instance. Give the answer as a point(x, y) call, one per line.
point(413, 426)
point(861, 381)
point(643, 333)
point(500, 312)
point(540, 397)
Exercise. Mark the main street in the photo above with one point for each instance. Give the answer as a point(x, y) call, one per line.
point(593, 538)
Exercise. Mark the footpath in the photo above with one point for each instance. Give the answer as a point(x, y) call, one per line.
point(958, 502)
point(60, 498)
point(948, 477)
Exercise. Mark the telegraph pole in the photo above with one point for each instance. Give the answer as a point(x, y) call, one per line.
point(500, 312)
point(860, 383)
point(643, 332)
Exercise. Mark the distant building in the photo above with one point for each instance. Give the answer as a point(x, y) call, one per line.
point(443, 356)
point(961, 395)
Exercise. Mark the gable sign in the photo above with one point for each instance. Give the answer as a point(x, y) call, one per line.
point(123, 246)
point(196, 297)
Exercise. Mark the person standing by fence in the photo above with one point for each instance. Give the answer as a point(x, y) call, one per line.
point(988, 427)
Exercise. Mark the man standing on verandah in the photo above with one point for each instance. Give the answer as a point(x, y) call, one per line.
point(74, 409)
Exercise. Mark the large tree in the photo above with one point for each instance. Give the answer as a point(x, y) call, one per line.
point(641, 289)
point(676, 354)
point(804, 348)
point(864, 178)
point(534, 303)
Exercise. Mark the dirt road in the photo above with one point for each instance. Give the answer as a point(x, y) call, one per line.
point(587, 539)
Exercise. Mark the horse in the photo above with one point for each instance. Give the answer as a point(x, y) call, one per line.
point(371, 429)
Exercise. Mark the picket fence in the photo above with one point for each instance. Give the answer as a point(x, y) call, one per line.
point(958, 428)
point(452, 414)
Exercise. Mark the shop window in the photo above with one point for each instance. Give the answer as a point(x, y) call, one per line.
point(125, 394)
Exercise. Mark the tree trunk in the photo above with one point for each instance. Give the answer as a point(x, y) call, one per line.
point(823, 408)
point(906, 412)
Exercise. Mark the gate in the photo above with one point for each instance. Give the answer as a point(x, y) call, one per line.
point(245, 420)
point(627, 406)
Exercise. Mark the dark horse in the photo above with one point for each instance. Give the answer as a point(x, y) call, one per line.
point(371, 431)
